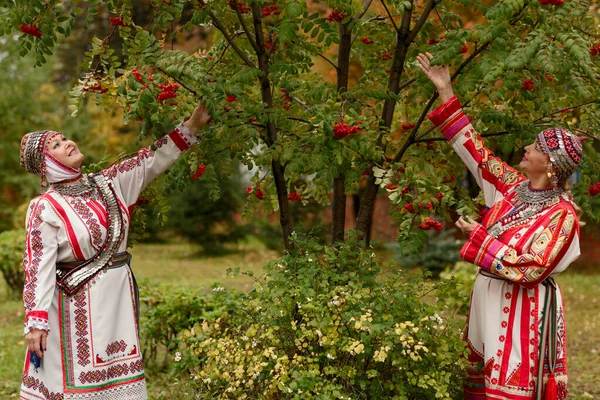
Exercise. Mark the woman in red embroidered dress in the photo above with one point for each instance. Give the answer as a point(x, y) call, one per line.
point(516, 324)
point(80, 294)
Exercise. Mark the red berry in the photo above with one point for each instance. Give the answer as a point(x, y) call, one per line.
point(336, 16)
point(231, 99)
point(199, 171)
point(527, 84)
point(30, 30)
point(390, 187)
point(249, 189)
point(594, 51)
point(117, 21)
point(464, 48)
point(366, 40)
point(407, 126)
point(432, 41)
point(259, 193)
point(294, 196)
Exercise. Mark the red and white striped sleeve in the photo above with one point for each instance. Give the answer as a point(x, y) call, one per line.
point(491, 173)
point(39, 264)
point(134, 174)
point(554, 247)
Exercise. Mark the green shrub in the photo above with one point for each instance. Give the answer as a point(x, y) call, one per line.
point(324, 323)
point(463, 273)
point(11, 260)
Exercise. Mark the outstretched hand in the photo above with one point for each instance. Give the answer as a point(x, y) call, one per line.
point(466, 225)
point(438, 75)
point(199, 118)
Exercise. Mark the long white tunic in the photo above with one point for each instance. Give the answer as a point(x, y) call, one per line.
point(93, 348)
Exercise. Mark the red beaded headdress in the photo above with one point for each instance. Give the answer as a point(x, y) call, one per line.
point(564, 150)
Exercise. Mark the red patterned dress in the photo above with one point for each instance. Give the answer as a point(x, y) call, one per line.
point(515, 254)
point(93, 348)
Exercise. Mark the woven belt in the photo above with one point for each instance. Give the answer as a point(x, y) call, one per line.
point(488, 274)
point(117, 260)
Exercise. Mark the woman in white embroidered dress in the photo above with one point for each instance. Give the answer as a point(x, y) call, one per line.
point(80, 294)
point(516, 325)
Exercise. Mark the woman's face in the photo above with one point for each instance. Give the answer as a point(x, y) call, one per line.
point(65, 151)
point(534, 161)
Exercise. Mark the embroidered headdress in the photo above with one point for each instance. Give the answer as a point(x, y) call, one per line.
point(32, 154)
point(36, 160)
point(564, 150)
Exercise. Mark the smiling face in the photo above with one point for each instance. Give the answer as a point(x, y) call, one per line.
point(64, 150)
point(534, 162)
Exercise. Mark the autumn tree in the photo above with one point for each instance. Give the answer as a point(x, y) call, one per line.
point(525, 66)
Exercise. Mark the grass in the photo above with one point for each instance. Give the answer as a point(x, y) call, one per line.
point(180, 264)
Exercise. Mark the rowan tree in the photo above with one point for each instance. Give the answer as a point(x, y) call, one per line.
point(524, 66)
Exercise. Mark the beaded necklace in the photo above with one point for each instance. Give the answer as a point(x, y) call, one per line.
point(529, 203)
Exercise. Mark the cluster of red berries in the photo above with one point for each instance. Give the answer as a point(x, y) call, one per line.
point(429, 223)
point(342, 129)
point(294, 196)
point(231, 99)
point(242, 7)
point(432, 41)
point(594, 51)
point(137, 75)
point(336, 16)
point(411, 209)
point(269, 45)
point(287, 99)
point(199, 171)
point(366, 40)
point(268, 10)
point(168, 92)
point(117, 21)
point(30, 30)
point(464, 48)
point(551, 2)
point(385, 56)
point(594, 189)
point(258, 193)
point(407, 126)
point(527, 84)
point(96, 88)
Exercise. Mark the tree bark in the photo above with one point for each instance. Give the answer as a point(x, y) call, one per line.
point(338, 223)
point(278, 169)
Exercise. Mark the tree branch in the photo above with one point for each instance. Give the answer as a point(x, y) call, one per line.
point(217, 23)
point(244, 26)
point(390, 15)
point(422, 19)
point(328, 60)
point(366, 6)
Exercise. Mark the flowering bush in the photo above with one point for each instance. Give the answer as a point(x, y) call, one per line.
point(325, 322)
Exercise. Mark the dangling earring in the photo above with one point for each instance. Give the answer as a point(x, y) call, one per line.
point(551, 176)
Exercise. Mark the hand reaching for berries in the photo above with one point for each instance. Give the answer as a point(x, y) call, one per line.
point(439, 76)
point(466, 225)
point(198, 119)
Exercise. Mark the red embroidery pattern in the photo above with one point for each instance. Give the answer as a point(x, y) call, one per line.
point(129, 164)
point(31, 383)
point(112, 372)
point(116, 347)
point(161, 142)
point(81, 328)
point(89, 219)
point(37, 251)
